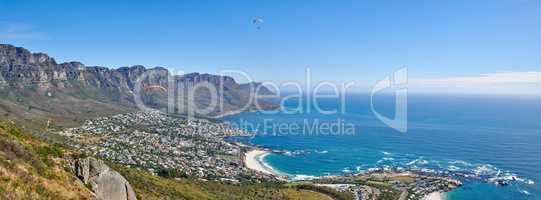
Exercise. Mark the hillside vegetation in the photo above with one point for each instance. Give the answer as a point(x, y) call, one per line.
point(33, 169)
point(154, 187)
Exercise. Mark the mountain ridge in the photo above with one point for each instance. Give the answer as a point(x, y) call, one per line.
point(57, 90)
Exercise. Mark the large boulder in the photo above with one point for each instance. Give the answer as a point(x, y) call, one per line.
point(106, 183)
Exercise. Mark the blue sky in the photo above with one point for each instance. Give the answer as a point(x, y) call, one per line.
point(339, 40)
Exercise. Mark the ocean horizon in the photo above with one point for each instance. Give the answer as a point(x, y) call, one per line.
point(478, 139)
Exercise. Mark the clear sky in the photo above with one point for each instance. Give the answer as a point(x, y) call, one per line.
point(339, 40)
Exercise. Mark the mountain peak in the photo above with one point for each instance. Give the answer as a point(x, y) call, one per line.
point(12, 55)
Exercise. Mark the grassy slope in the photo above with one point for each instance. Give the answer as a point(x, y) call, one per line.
point(63, 109)
point(33, 169)
point(152, 187)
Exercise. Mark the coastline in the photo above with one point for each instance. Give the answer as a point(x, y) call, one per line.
point(253, 161)
point(434, 196)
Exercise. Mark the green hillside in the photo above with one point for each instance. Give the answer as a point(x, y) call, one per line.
point(33, 169)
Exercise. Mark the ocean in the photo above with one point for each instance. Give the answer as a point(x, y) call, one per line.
point(481, 137)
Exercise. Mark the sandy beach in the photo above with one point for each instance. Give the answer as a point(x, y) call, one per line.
point(251, 161)
point(434, 196)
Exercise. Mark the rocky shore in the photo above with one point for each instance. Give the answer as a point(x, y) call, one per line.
point(400, 184)
point(403, 185)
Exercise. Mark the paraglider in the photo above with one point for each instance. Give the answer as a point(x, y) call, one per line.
point(257, 22)
point(152, 88)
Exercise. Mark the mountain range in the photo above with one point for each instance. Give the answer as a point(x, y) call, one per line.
point(35, 88)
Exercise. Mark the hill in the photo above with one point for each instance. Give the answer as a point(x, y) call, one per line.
point(33, 169)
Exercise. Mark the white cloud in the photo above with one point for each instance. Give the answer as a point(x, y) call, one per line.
point(487, 79)
point(498, 83)
point(17, 31)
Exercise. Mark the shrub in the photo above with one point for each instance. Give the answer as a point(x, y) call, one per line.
point(13, 150)
point(45, 151)
point(171, 173)
point(15, 132)
point(325, 190)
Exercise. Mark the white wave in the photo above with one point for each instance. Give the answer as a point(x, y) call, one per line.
point(525, 192)
point(426, 170)
point(523, 180)
point(385, 153)
point(373, 169)
point(299, 152)
point(301, 177)
point(261, 160)
point(346, 170)
point(384, 159)
point(484, 170)
point(453, 168)
point(412, 162)
point(322, 152)
point(460, 162)
point(418, 161)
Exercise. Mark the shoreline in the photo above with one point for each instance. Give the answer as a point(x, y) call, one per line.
point(253, 161)
point(434, 196)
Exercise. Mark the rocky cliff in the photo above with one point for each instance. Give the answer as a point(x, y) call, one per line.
point(34, 84)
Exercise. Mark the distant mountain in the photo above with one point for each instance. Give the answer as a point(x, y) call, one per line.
point(34, 86)
point(256, 87)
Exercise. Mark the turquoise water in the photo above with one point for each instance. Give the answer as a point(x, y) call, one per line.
point(481, 137)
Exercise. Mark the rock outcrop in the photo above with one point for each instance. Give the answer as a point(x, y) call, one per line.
point(106, 183)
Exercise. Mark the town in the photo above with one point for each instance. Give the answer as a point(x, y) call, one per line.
point(166, 145)
point(177, 147)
